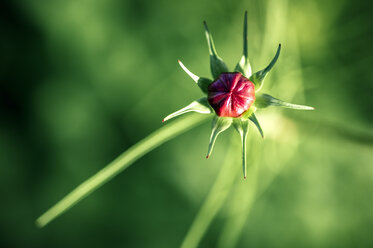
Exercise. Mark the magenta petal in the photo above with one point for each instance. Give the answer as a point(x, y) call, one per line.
point(231, 94)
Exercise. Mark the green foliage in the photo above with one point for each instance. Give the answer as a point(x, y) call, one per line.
point(203, 83)
point(118, 165)
point(256, 123)
point(242, 127)
point(84, 81)
point(258, 77)
point(200, 106)
point(265, 100)
point(219, 124)
point(217, 65)
point(243, 65)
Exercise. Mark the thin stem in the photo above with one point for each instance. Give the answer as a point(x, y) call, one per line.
point(214, 200)
point(241, 201)
point(119, 164)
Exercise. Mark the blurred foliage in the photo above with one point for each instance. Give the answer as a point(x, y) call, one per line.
point(81, 81)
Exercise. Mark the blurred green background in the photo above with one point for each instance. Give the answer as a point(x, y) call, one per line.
point(82, 81)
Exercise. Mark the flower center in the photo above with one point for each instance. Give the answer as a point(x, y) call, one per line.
point(231, 94)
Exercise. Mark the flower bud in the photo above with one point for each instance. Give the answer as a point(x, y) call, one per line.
point(231, 94)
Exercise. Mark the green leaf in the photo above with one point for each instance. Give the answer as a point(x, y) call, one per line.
point(265, 100)
point(200, 106)
point(256, 122)
point(219, 125)
point(243, 65)
point(203, 83)
point(242, 127)
point(258, 77)
point(216, 63)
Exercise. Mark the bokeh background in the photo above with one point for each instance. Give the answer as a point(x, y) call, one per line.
point(82, 81)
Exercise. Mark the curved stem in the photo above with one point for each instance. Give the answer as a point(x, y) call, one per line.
point(119, 164)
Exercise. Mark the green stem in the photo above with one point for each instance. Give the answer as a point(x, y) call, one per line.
point(214, 200)
point(119, 164)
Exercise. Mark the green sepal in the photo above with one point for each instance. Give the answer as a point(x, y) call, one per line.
point(219, 125)
point(256, 123)
point(242, 127)
point(203, 83)
point(217, 65)
point(249, 112)
point(200, 106)
point(243, 65)
point(265, 100)
point(258, 77)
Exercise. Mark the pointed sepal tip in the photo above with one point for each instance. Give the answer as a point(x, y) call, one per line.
point(243, 65)
point(219, 124)
point(257, 124)
point(187, 71)
point(200, 106)
point(258, 77)
point(265, 100)
point(203, 83)
point(217, 65)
